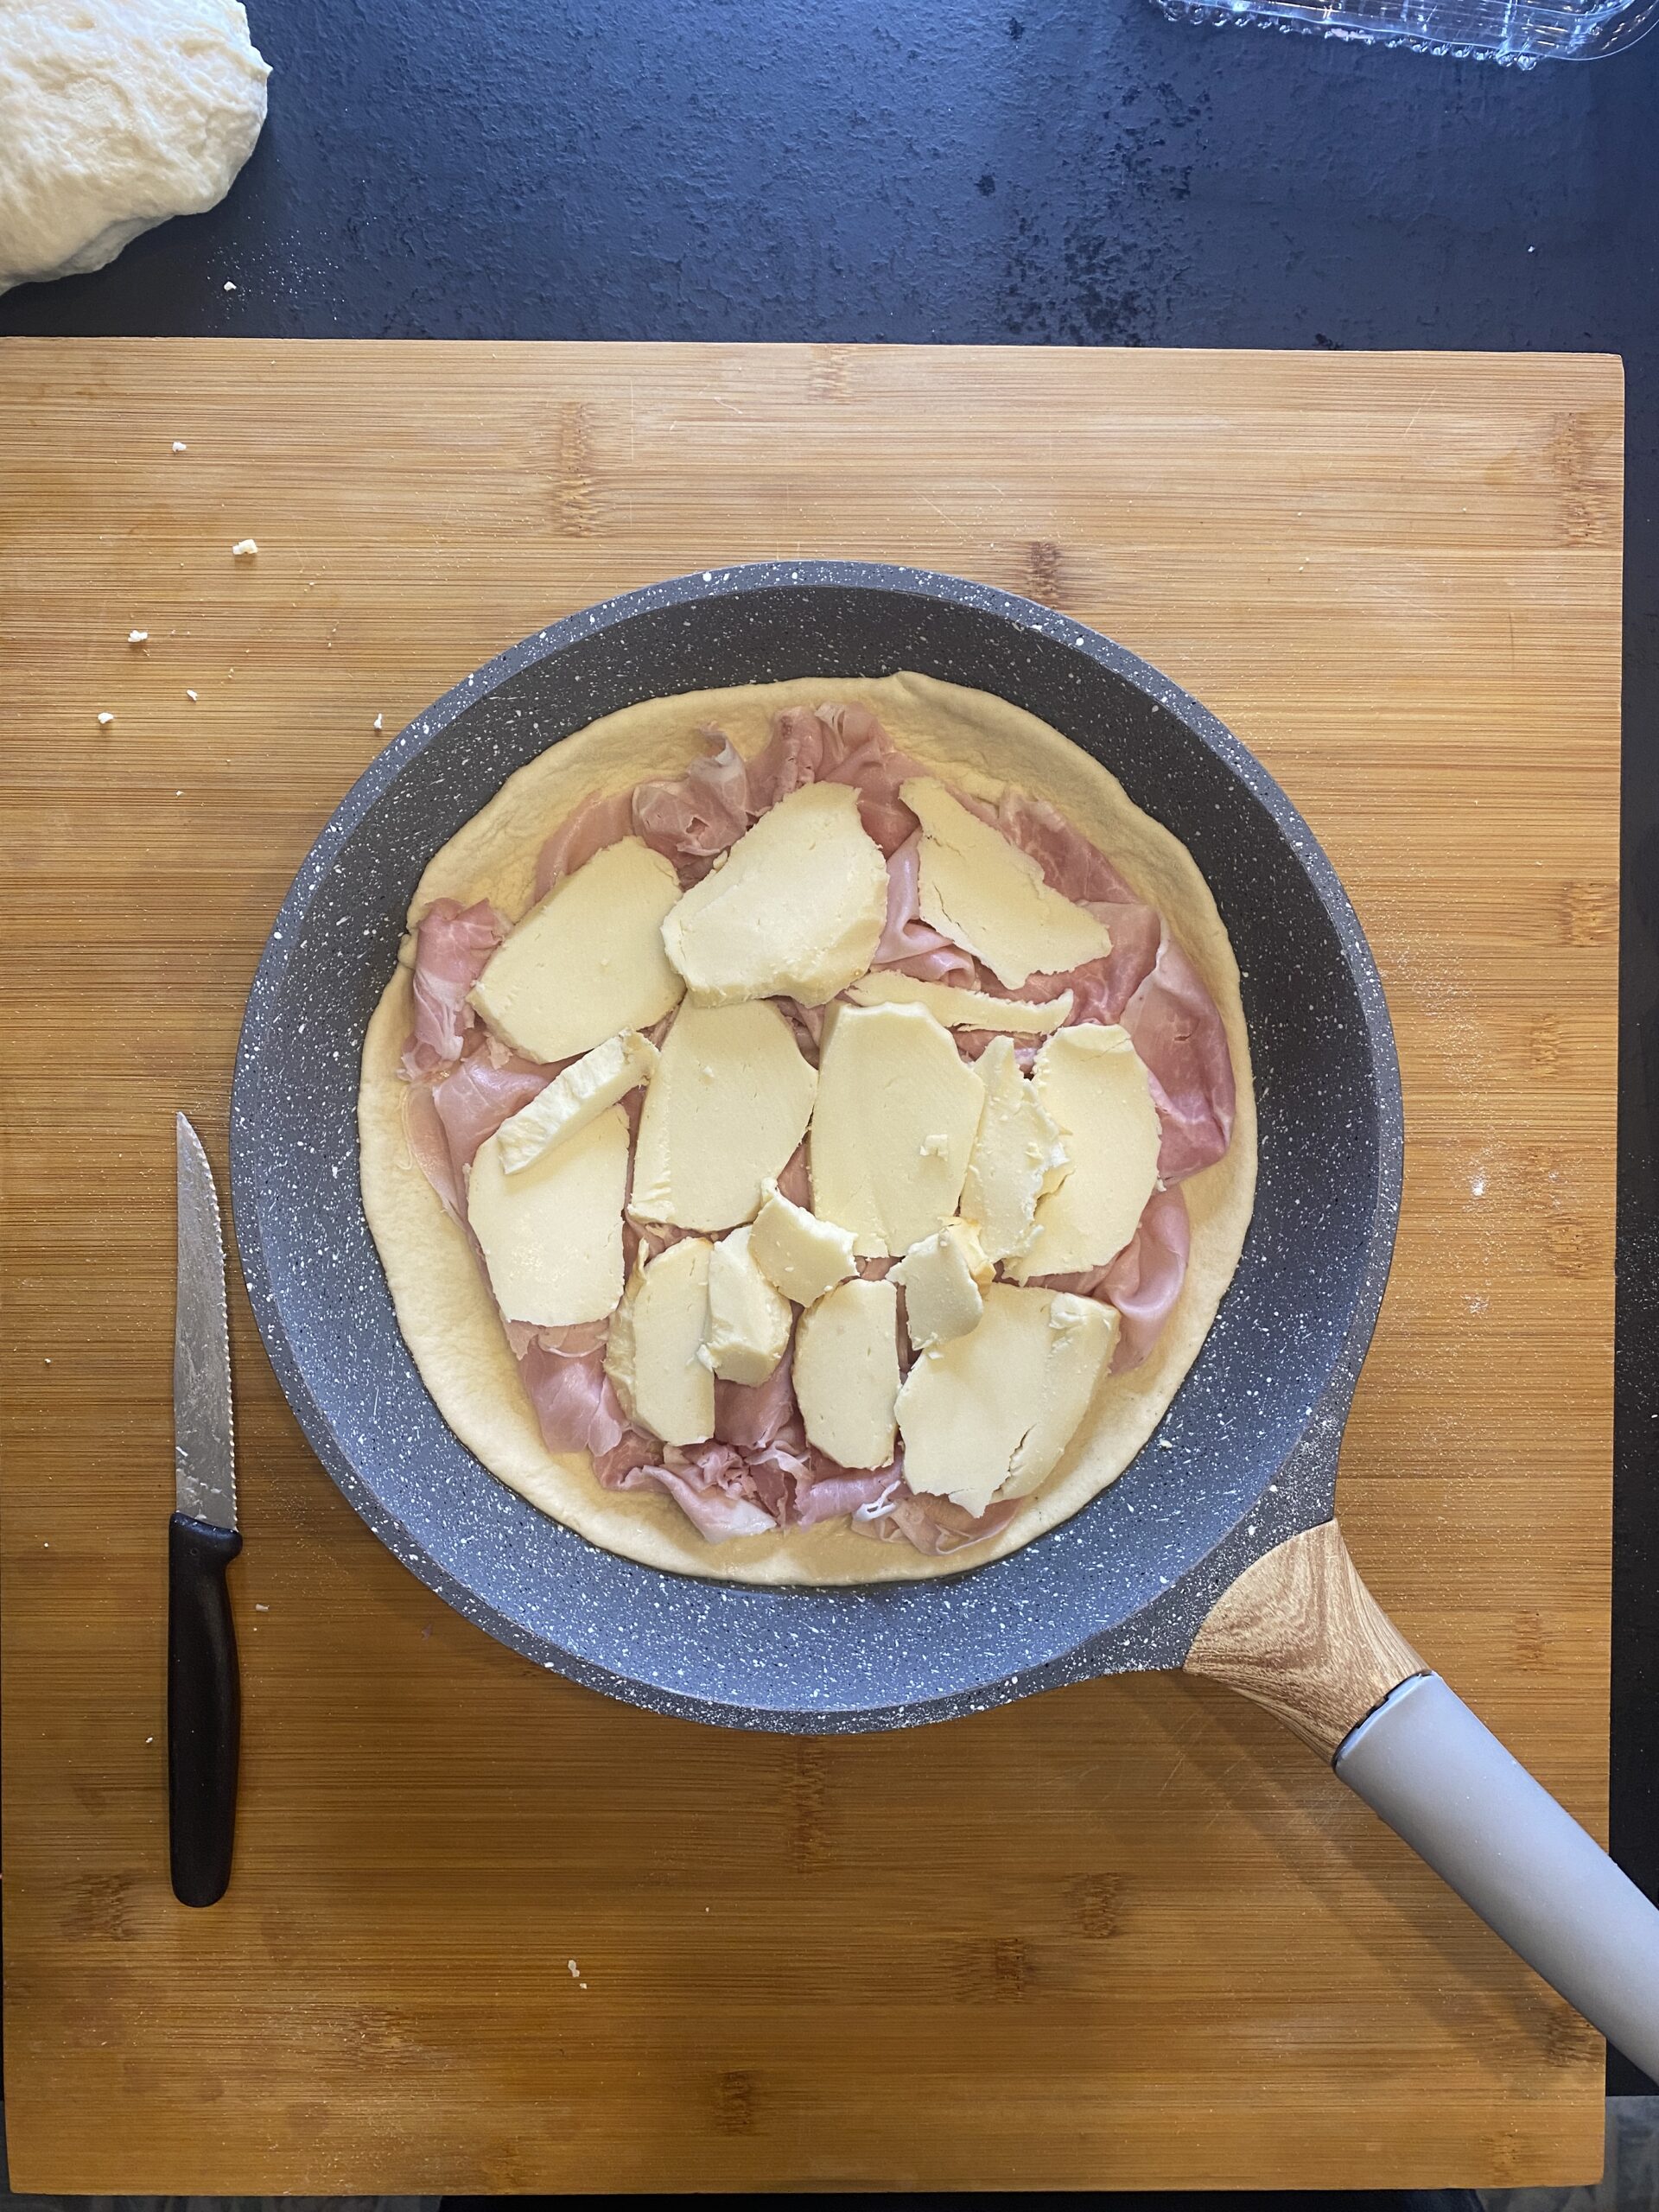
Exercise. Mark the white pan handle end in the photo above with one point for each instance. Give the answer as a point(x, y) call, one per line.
point(1300, 1633)
point(1442, 1781)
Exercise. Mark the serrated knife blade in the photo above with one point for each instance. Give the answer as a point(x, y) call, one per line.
point(204, 1437)
point(203, 1690)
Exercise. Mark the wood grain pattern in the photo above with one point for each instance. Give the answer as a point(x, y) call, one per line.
point(1300, 1634)
point(1127, 1934)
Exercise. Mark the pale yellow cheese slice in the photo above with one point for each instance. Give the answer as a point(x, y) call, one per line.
point(943, 1279)
point(846, 1372)
point(990, 1414)
point(552, 1234)
point(1094, 1086)
point(795, 909)
point(727, 1105)
point(802, 1256)
point(653, 1354)
point(960, 1009)
point(893, 1126)
point(989, 897)
point(588, 960)
point(748, 1319)
point(1017, 1155)
point(576, 1096)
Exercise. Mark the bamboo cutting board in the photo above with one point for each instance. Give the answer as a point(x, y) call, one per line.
point(488, 1931)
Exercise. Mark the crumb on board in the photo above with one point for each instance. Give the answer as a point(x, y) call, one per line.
point(137, 637)
point(179, 446)
point(104, 721)
point(573, 1969)
point(379, 721)
point(261, 1609)
point(228, 285)
point(244, 550)
point(191, 697)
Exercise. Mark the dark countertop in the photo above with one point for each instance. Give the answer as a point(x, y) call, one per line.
point(1080, 172)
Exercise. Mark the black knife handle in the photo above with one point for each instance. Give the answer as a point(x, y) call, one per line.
point(204, 1708)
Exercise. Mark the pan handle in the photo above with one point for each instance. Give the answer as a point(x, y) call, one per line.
point(1300, 1633)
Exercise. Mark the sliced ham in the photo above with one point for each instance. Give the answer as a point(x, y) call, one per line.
point(691, 817)
point(708, 1483)
point(473, 1100)
point(908, 942)
point(452, 945)
point(750, 1416)
point(838, 1491)
point(1144, 1280)
point(933, 1525)
point(596, 823)
point(837, 745)
point(428, 1148)
point(563, 1371)
point(1074, 866)
point(1179, 1034)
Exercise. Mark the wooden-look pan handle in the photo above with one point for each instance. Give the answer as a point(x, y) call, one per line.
point(1300, 1633)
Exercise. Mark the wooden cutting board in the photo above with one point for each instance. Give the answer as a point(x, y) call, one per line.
point(488, 1931)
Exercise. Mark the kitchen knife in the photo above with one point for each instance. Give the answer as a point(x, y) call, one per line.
point(204, 1698)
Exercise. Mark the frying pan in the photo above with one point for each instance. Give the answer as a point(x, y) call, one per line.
point(1219, 1554)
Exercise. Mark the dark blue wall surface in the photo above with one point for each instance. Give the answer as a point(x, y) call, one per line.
point(1072, 171)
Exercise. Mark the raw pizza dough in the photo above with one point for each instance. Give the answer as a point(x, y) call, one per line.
point(114, 115)
point(979, 744)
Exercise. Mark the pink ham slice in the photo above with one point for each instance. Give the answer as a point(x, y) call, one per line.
point(473, 1100)
point(1179, 1034)
point(699, 814)
point(909, 944)
point(452, 945)
point(1144, 1280)
point(564, 1375)
point(596, 823)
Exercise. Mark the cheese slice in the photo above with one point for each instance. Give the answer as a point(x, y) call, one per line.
point(1094, 1086)
point(944, 1277)
point(990, 1415)
point(846, 1372)
point(551, 1235)
point(588, 961)
point(989, 897)
point(729, 1103)
point(960, 1009)
point(800, 1254)
point(1017, 1155)
point(652, 1356)
point(748, 1320)
point(796, 908)
point(893, 1126)
point(578, 1095)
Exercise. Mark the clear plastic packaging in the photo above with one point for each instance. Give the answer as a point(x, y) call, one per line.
point(1519, 31)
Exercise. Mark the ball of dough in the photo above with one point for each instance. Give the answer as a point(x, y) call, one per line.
point(115, 114)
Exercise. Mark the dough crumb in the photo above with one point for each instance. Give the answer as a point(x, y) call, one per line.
point(244, 550)
point(261, 1609)
point(179, 446)
point(379, 721)
point(137, 637)
point(191, 697)
point(574, 1970)
point(1164, 1444)
point(228, 285)
point(104, 721)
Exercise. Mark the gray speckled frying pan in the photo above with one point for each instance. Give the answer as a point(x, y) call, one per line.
point(1218, 1554)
